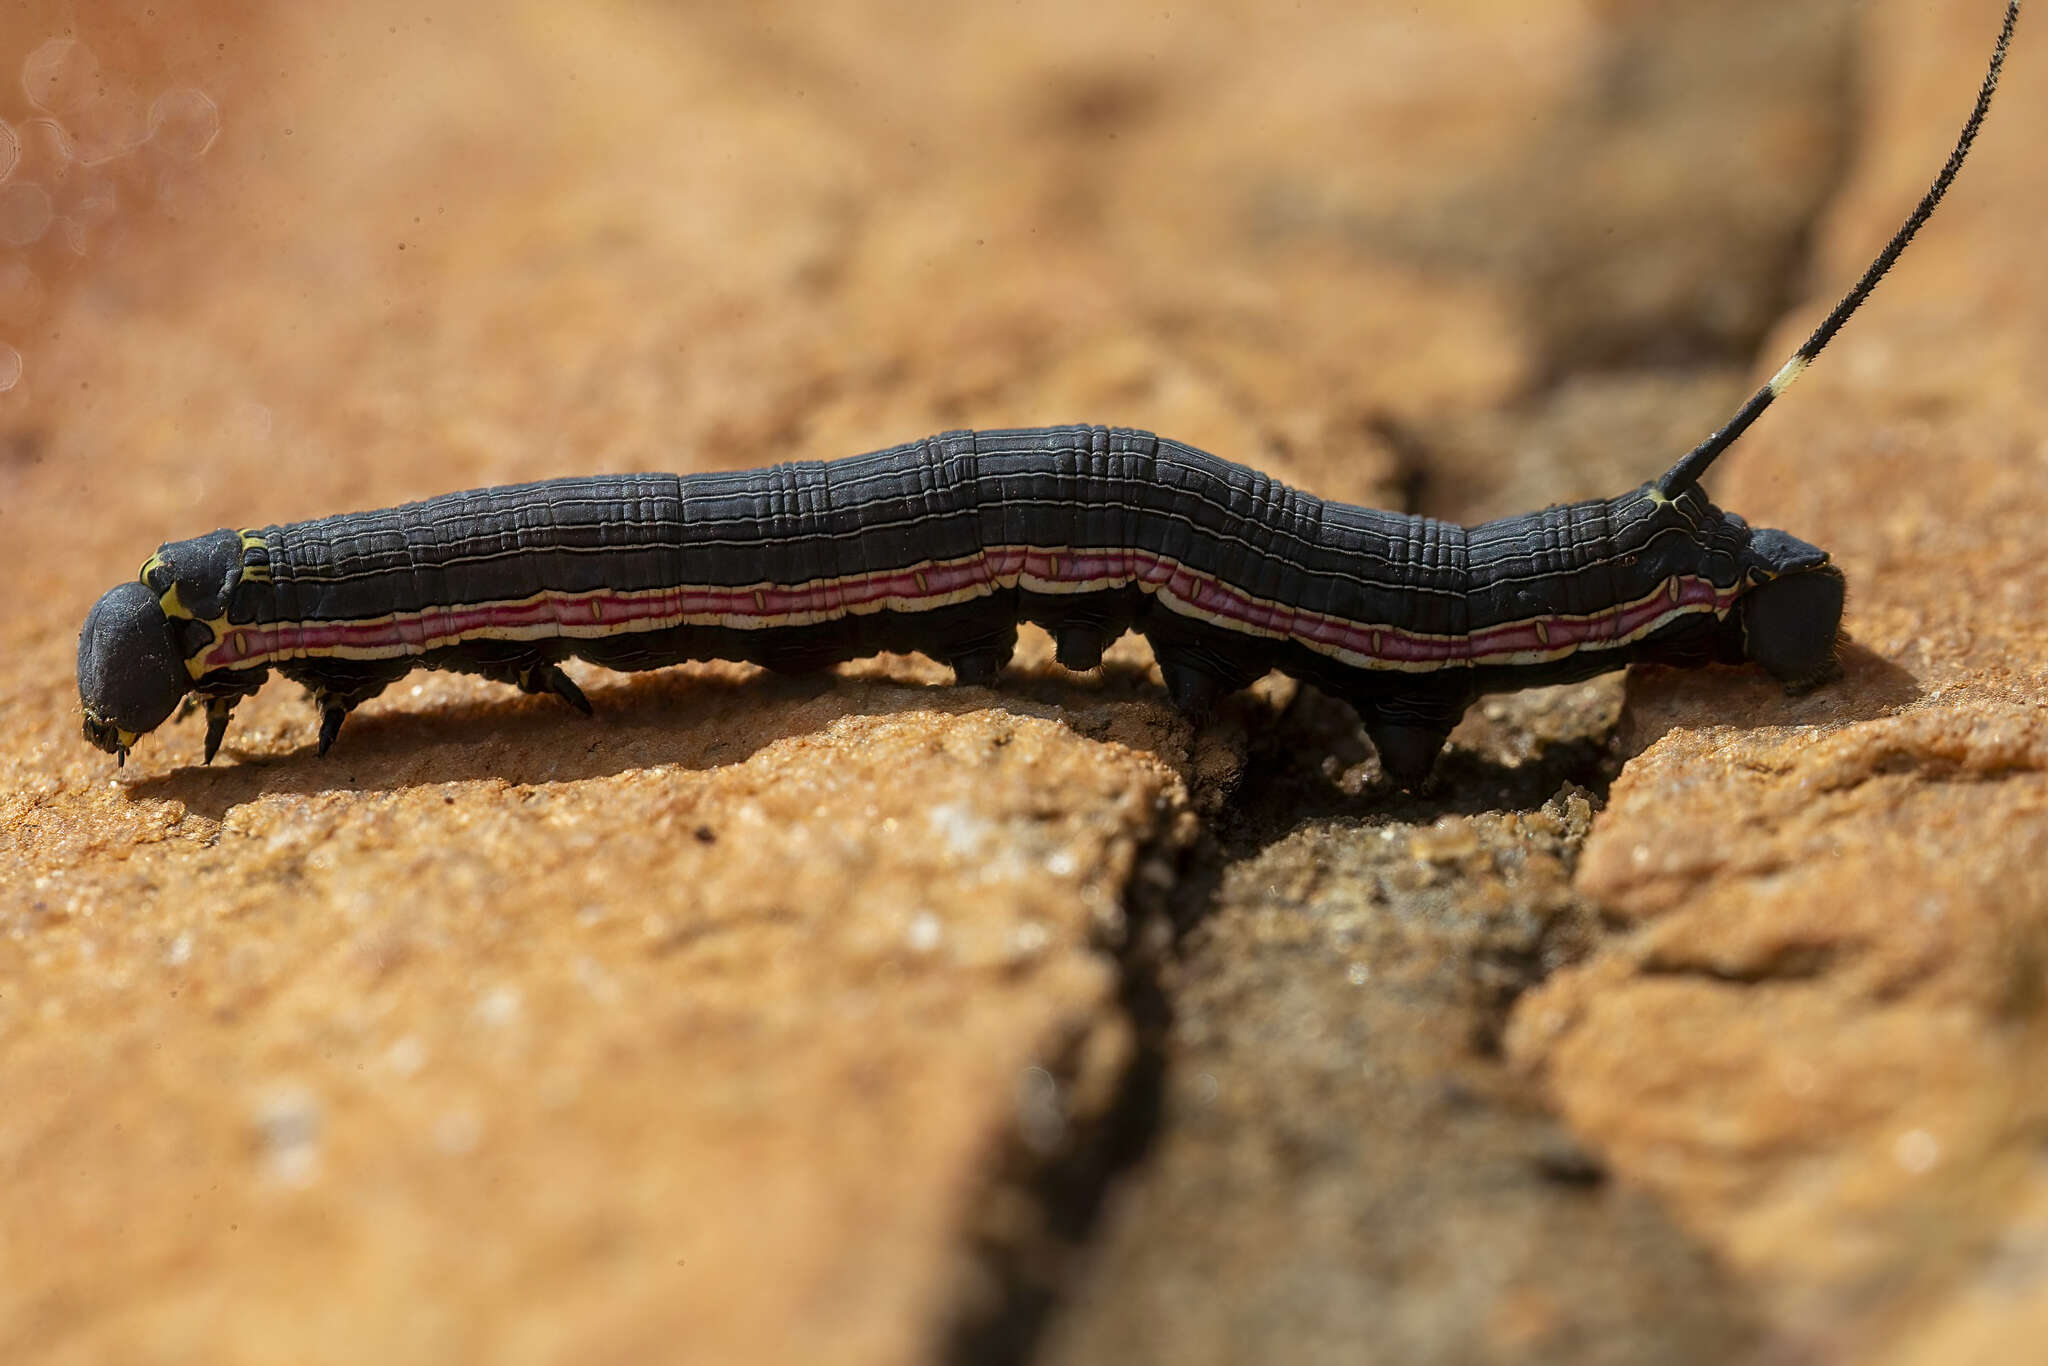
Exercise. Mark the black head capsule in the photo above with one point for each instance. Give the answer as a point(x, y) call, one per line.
point(1790, 620)
point(131, 676)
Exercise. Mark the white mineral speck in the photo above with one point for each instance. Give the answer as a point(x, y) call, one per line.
point(458, 1132)
point(963, 831)
point(924, 933)
point(1040, 1119)
point(499, 1007)
point(591, 975)
point(1028, 939)
point(1916, 1151)
point(406, 1057)
point(288, 1123)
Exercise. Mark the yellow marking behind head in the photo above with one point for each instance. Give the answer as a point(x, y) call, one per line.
point(254, 573)
point(174, 609)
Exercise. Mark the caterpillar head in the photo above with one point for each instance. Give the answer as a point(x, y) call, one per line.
point(1791, 616)
point(133, 649)
point(1786, 608)
point(131, 675)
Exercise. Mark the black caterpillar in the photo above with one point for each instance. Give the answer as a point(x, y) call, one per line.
point(944, 544)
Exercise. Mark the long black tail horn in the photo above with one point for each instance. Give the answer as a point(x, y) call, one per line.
point(1689, 470)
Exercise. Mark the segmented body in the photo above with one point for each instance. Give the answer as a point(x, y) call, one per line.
point(942, 545)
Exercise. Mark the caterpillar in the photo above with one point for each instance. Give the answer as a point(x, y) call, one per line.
point(943, 545)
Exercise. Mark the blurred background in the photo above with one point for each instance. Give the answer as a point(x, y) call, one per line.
point(1337, 236)
point(879, 1021)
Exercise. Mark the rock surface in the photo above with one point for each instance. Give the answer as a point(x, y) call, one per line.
point(796, 1020)
point(1341, 1149)
point(1822, 1042)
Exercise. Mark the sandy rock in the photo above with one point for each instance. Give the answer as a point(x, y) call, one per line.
point(1342, 1151)
point(717, 1025)
point(501, 1034)
point(1822, 1046)
point(615, 1061)
point(783, 1019)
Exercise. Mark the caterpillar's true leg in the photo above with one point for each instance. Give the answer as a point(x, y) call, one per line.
point(218, 709)
point(339, 686)
point(523, 669)
point(218, 695)
point(549, 678)
point(334, 709)
point(332, 714)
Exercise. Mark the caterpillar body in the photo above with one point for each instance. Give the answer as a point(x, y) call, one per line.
point(943, 545)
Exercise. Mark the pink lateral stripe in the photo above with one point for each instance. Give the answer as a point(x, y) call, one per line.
point(606, 612)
